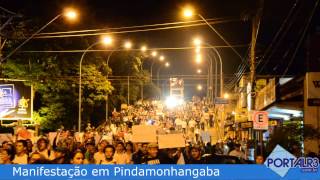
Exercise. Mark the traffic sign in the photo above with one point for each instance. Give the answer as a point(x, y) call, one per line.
point(260, 120)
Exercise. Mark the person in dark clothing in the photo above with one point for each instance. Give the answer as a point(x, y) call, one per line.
point(137, 156)
point(153, 155)
point(196, 156)
point(169, 156)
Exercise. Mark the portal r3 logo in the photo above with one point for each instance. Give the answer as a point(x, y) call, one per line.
point(281, 161)
point(308, 163)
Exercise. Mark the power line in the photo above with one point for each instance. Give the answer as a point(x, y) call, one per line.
point(138, 26)
point(302, 37)
point(276, 37)
point(108, 50)
point(129, 31)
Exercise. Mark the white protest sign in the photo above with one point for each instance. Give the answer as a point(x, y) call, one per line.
point(171, 141)
point(144, 133)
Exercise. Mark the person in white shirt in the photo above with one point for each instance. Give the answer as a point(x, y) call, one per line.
point(237, 152)
point(21, 156)
point(120, 156)
point(100, 155)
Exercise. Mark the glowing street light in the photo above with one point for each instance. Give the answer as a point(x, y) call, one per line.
point(161, 58)
point(226, 95)
point(167, 64)
point(198, 58)
point(107, 40)
point(154, 53)
point(197, 49)
point(197, 42)
point(70, 14)
point(199, 87)
point(199, 71)
point(127, 45)
point(143, 48)
point(188, 12)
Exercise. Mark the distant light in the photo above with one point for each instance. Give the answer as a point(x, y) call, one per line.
point(199, 71)
point(70, 14)
point(172, 102)
point(143, 48)
point(199, 87)
point(233, 113)
point(154, 53)
point(161, 58)
point(198, 58)
point(107, 40)
point(188, 12)
point(226, 95)
point(197, 42)
point(127, 45)
point(197, 49)
point(167, 64)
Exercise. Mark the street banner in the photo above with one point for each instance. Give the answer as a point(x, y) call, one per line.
point(15, 100)
point(260, 120)
point(144, 133)
point(171, 141)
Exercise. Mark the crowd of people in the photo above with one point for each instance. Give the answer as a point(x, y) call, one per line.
point(111, 142)
point(70, 152)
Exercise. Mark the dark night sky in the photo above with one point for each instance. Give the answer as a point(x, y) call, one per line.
point(107, 13)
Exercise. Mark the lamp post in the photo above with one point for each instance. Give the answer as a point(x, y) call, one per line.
point(197, 42)
point(127, 45)
point(188, 12)
point(161, 59)
point(105, 40)
point(167, 64)
point(68, 13)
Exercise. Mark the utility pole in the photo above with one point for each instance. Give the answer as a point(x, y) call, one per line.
point(128, 89)
point(255, 28)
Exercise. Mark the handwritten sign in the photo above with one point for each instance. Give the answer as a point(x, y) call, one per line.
point(144, 133)
point(171, 141)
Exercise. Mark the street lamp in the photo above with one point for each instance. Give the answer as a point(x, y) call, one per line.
point(167, 64)
point(198, 42)
point(154, 53)
point(143, 48)
point(198, 58)
point(161, 59)
point(127, 46)
point(106, 40)
point(188, 12)
point(70, 14)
